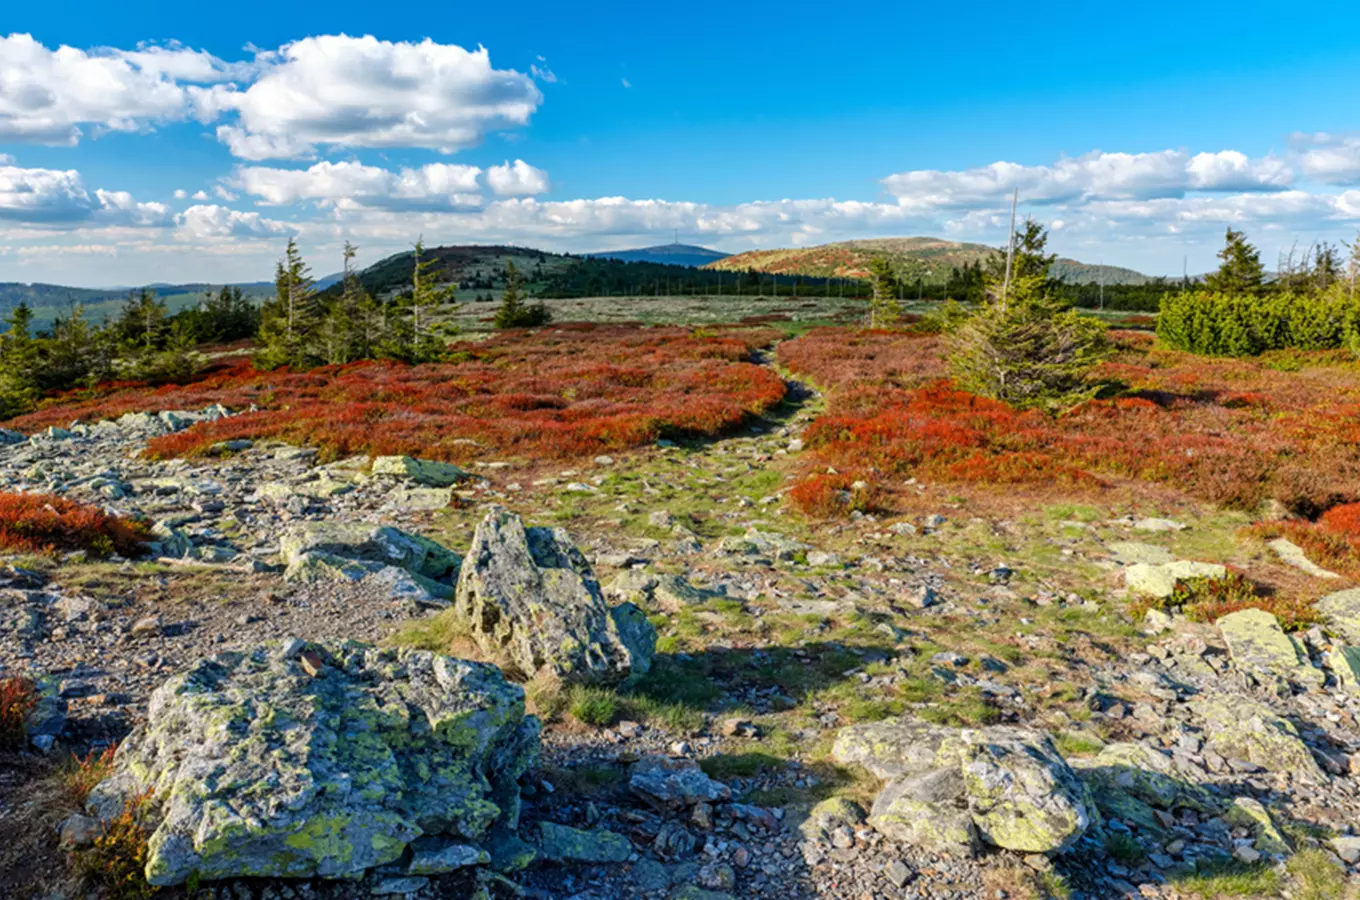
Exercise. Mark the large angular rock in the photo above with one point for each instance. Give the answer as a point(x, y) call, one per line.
point(305, 760)
point(362, 543)
point(1261, 650)
point(947, 787)
point(529, 596)
point(1238, 727)
point(427, 472)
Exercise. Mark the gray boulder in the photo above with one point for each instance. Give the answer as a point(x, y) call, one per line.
point(351, 551)
point(321, 760)
point(528, 595)
point(951, 788)
point(674, 783)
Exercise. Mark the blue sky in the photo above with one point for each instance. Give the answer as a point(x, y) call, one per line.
point(170, 142)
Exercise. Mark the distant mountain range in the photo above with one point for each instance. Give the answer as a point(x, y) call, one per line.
point(480, 272)
point(676, 254)
point(850, 259)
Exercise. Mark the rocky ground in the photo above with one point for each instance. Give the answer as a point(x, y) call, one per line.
point(1161, 755)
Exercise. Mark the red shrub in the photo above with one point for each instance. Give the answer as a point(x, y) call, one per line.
point(1343, 521)
point(44, 523)
point(18, 696)
point(832, 496)
point(566, 392)
point(1233, 432)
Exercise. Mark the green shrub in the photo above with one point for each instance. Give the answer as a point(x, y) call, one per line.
point(1216, 324)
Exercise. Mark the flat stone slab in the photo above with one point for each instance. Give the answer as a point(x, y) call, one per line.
point(1156, 525)
point(1131, 552)
point(1292, 554)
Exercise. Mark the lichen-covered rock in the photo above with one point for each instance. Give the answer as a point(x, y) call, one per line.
point(1160, 580)
point(891, 748)
point(670, 593)
point(1241, 728)
point(427, 472)
point(1130, 782)
point(363, 543)
point(528, 595)
point(315, 567)
point(948, 787)
point(929, 811)
point(561, 843)
point(1342, 612)
point(1261, 650)
point(1244, 812)
point(829, 815)
point(304, 760)
point(1343, 660)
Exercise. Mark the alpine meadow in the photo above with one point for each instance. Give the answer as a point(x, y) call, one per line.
point(587, 454)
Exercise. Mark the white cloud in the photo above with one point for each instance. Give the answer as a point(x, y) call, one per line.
point(223, 194)
point(51, 96)
point(181, 193)
point(213, 221)
point(325, 91)
point(1328, 158)
point(626, 83)
point(54, 198)
point(543, 73)
point(1092, 176)
point(200, 195)
point(517, 179)
point(350, 185)
point(336, 90)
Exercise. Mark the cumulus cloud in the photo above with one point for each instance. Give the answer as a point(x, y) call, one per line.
point(324, 91)
point(1328, 158)
point(57, 198)
point(517, 179)
point(1092, 176)
point(50, 96)
point(336, 90)
point(213, 221)
point(350, 185)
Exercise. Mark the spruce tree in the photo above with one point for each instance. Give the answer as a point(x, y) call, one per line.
point(884, 309)
point(1027, 348)
point(429, 298)
point(513, 312)
point(18, 364)
point(1241, 271)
